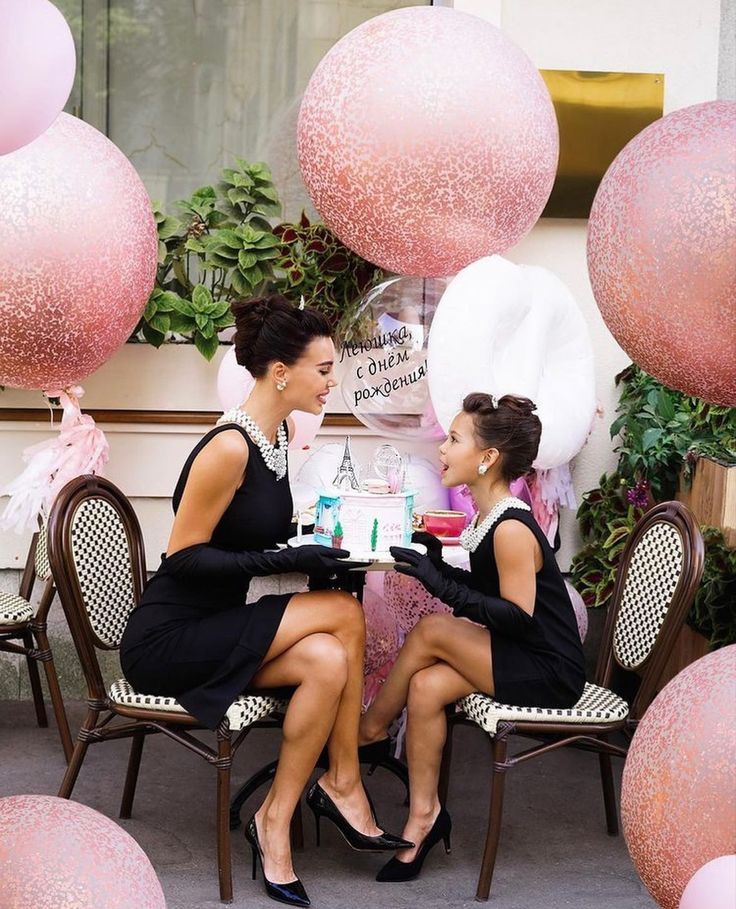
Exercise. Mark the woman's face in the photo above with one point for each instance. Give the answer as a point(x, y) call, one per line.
point(312, 376)
point(460, 454)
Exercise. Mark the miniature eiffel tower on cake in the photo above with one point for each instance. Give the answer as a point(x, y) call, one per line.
point(346, 477)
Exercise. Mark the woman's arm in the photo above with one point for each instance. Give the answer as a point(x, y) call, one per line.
point(216, 473)
point(518, 558)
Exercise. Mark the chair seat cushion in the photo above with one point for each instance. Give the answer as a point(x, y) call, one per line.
point(597, 705)
point(244, 711)
point(14, 609)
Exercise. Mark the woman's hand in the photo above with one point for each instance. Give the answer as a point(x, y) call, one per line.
point(322, 560)
point(416, 565)
point(433, 545)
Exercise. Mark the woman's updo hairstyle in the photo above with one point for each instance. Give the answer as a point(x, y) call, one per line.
point(271, 329)
point(508, 424)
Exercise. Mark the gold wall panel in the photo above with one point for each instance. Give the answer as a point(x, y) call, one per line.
point(598, 113)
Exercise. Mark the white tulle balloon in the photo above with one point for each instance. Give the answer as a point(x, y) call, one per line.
point(502, 328)
point(424, 476)
point(234, 383)
point(319, 470)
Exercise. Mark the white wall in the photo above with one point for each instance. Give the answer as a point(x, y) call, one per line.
point(677, 37)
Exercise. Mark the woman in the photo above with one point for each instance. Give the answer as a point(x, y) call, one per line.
point(193, 637)
point(513, 634)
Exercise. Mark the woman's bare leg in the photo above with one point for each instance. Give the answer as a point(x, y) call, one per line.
point(317, 665)
point(439, 637)
point(341, 616)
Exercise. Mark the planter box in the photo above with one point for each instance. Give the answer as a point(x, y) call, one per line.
point(712, 497)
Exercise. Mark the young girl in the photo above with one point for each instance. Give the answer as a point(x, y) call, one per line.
point(513, 634)
point(194, 638)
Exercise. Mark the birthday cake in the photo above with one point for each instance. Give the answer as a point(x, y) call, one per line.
point(368, 517)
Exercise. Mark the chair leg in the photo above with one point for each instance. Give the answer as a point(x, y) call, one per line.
point(78, 755)
point(498, 778)
point(57, 701)
point(35, 680)
point(131, 777)
point(609, 792)
point(224, 857)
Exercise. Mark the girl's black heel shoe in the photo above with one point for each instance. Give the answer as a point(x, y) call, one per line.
point(293, 893)
point(322, 805)
point(394, 870)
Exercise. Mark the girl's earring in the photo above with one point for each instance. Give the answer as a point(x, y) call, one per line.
point(281, 385)
point(482, 469)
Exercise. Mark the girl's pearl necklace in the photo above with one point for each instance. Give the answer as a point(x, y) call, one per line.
point(473, 534)
point(274, 457)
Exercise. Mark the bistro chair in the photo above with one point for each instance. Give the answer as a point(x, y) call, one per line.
point(98, 560)
point(24, 630)
point(656, 582)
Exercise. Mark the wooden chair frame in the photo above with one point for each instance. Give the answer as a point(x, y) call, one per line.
point(98, 725)
point(589, 736)
point(35, 647)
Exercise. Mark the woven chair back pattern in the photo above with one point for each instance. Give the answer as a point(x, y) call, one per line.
point(655, 568)
point(42, 566)
point(102, 561)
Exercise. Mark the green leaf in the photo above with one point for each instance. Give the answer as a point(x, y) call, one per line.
point(167, 301)
point(219, 309)
point(155, 338)
point(181, 324)
point(246, 259)
point(239, 284)
point(224, 321)
point(169, 227)
point(228, 238)
point(194, 245)
point(650, 437)
point(201, 297)
point(184, 307)
point(160, 322)
point(206, 346)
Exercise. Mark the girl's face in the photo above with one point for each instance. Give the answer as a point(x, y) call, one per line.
point(310, 379)
point(460, 454)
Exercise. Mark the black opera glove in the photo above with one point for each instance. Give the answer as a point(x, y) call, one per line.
point(496, 613)
point(434, 552)
point(205, 561)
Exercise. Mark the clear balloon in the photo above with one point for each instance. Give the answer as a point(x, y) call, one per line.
point(662, 250)
point(234, 384)
point(427, 139)
point(384, 382)
point(78, 254)
point(37, 64)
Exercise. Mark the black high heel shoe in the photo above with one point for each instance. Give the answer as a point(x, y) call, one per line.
point(293, 893)
point(322, 805)
point(394, 870)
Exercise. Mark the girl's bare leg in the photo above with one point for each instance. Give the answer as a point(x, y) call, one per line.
point(461, 644)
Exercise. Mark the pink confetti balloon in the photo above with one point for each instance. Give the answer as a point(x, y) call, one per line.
point(408, 600)
point(382, 633)
point(234, 384)
point(426, 140)
point(37, 63)
point(678, 800)
point(662, 250)
point(58, 854)
point(78, 251)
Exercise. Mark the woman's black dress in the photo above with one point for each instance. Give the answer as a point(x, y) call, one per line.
point(546, 668)
point(197, 641)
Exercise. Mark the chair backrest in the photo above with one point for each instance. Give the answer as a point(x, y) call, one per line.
point(41, 556)
point(656, 583)
point(96, 553)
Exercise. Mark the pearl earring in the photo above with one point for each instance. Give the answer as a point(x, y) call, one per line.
point(281, 385)
point(482, 469)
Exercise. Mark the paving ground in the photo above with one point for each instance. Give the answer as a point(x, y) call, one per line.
point(554, 849)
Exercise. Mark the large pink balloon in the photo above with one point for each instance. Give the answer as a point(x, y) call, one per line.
point(662, 250)
point(678, 800)
point(58, 854)
point(78, 250)
point(427, 139)
point(37, 63)
point(713, 886)
point(234, 384)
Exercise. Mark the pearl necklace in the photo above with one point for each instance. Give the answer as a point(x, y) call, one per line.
point(274, 457)
point(473, 534)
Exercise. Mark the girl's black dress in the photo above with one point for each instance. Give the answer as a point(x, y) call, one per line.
point(547, 667)
point(194, 639)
